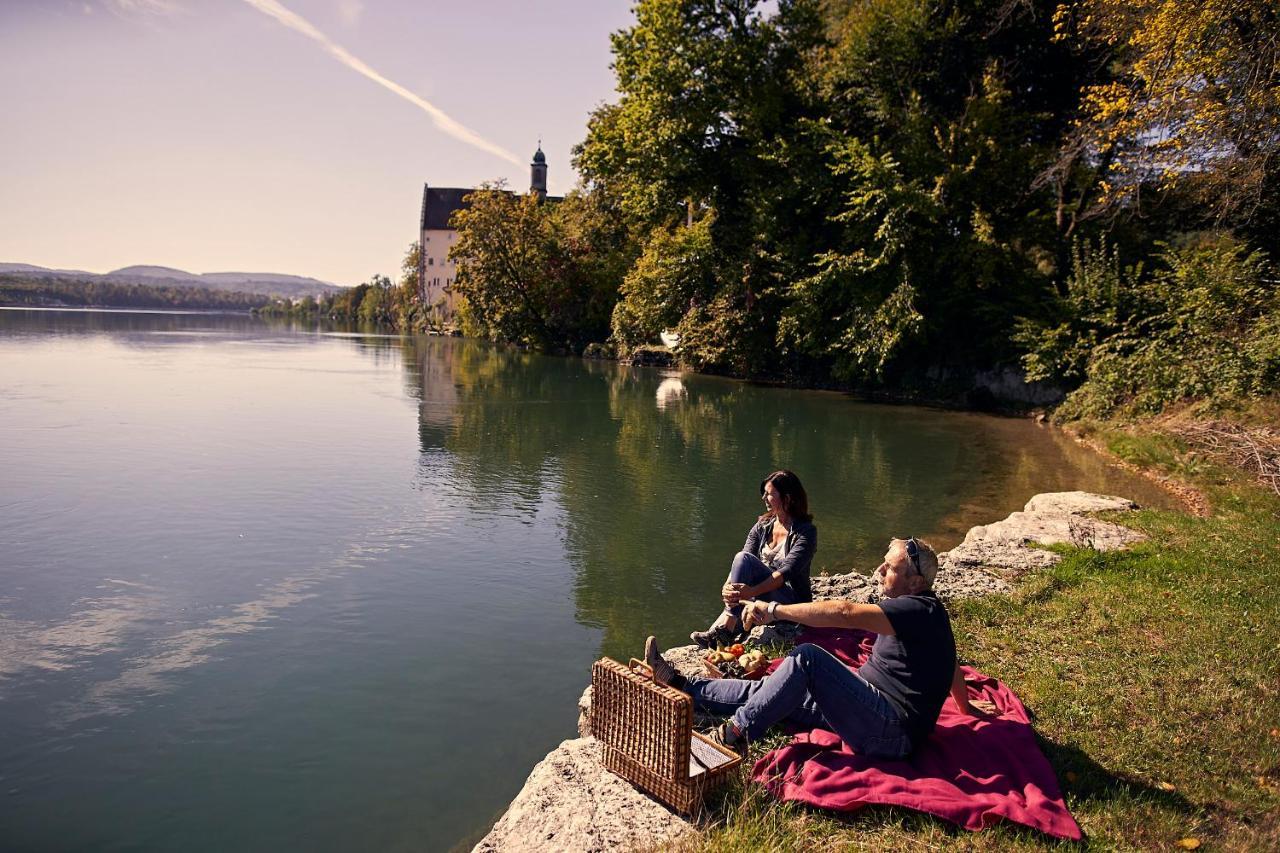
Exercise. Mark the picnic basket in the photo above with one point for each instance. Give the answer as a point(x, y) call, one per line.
point(646, 736)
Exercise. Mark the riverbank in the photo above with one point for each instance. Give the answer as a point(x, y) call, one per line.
point(1064, 626)
point(1153, 675)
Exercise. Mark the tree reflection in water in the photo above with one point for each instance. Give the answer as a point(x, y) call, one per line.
point(657, 476)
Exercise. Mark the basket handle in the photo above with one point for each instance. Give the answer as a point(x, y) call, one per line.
point(641, 667)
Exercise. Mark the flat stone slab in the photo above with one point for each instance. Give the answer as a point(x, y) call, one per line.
point(1047, 519)
point(1077, 503)
point(571, 804)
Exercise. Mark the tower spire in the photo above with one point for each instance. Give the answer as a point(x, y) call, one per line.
point(538, 172)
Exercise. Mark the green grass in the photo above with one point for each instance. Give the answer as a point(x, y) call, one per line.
point(1153, 677)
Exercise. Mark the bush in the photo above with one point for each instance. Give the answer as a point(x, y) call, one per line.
point(1204, 326)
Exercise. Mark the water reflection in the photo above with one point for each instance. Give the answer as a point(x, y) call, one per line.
point(654, 474)
point(657, 498)
point(670, 390)
point(140, 325)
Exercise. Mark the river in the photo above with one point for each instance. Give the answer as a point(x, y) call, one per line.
point(268, 587)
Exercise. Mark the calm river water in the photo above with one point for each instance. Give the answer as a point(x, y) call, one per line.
point(268, 588)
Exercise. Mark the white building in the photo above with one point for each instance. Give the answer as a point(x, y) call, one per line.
point(435, 271)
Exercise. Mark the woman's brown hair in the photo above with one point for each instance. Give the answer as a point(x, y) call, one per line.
point(793, 496)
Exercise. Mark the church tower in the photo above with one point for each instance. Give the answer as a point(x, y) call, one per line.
point(538, 173)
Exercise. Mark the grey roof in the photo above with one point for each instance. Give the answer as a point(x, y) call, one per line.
point(439, 204)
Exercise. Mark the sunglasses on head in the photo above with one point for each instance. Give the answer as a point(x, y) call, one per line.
point(913, 554)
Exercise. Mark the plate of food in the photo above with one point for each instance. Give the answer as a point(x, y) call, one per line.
point(735, 662)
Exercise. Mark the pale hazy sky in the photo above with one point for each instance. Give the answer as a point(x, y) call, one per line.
point(287, 136)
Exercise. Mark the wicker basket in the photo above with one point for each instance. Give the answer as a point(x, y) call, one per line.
point(646, 736)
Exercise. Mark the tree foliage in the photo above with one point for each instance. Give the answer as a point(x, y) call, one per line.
point(540, 274)
point(1204, 323)
point(1195, 102)
point(19, 289)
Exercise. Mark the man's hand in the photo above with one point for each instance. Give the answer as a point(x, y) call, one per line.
point(755, 613)
point(732, 593)
point(983, 708)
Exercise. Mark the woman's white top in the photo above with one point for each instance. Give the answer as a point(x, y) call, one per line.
point(768, 553)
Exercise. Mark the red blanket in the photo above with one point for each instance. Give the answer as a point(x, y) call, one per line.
point(972, 771)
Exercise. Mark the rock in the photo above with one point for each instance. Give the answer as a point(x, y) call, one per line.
point(571, 803)
point(1047, 519)
point(1077, 503)
point(649, 356)
point(853, 586)
point(956, 580)
point(584, 713)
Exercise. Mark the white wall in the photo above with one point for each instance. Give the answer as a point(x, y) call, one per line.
point(438, 272)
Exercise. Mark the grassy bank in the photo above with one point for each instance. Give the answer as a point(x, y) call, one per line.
point(1153, 676)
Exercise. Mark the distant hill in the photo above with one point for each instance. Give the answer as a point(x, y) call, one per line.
point(266, 284)
point(21, 268)
point(153, 272)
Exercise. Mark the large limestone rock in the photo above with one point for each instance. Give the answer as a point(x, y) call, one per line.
point(571, 804)
point(851, 587)
point(1047, 519)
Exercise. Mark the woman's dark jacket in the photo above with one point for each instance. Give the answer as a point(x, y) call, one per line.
point(801, 544)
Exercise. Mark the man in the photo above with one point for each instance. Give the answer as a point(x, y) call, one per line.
point(885, 709)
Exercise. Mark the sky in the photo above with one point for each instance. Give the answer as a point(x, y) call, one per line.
point(282, 136)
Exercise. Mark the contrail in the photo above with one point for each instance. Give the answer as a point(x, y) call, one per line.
point(438, 116)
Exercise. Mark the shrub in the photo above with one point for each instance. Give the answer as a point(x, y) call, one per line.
point(1203, 326)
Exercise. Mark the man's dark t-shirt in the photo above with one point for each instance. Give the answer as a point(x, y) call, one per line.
point(913, 667)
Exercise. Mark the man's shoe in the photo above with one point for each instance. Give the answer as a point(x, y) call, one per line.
point(717, 635)
point(727, 736)
point(663, 672)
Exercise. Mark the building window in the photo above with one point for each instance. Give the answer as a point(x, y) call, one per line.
point(431, 262)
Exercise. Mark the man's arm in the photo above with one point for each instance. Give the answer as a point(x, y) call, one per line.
point(821, 614)
point(960, 693)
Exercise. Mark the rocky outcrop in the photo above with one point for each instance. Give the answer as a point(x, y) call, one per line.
point(1048, 519)
point(571, 803)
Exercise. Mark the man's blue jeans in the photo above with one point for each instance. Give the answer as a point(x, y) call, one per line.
point(813, 690)
point(748, 569)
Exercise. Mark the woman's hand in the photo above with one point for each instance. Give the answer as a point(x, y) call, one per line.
point(734, 593)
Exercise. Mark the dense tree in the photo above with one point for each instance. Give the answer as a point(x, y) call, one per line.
point(1203, 324)
point(410, 298)
point(1195, 102)
point(941, 115)
point(699, 135)
point(504, 258)
point(20, 289)
point(379, 305)
point(907, 192)
point(863, 172)
point(540, 274)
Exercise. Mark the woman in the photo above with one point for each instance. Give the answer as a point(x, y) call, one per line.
point(774, 563)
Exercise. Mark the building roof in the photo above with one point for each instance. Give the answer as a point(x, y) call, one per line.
point(439, 204)
point(538, 156)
